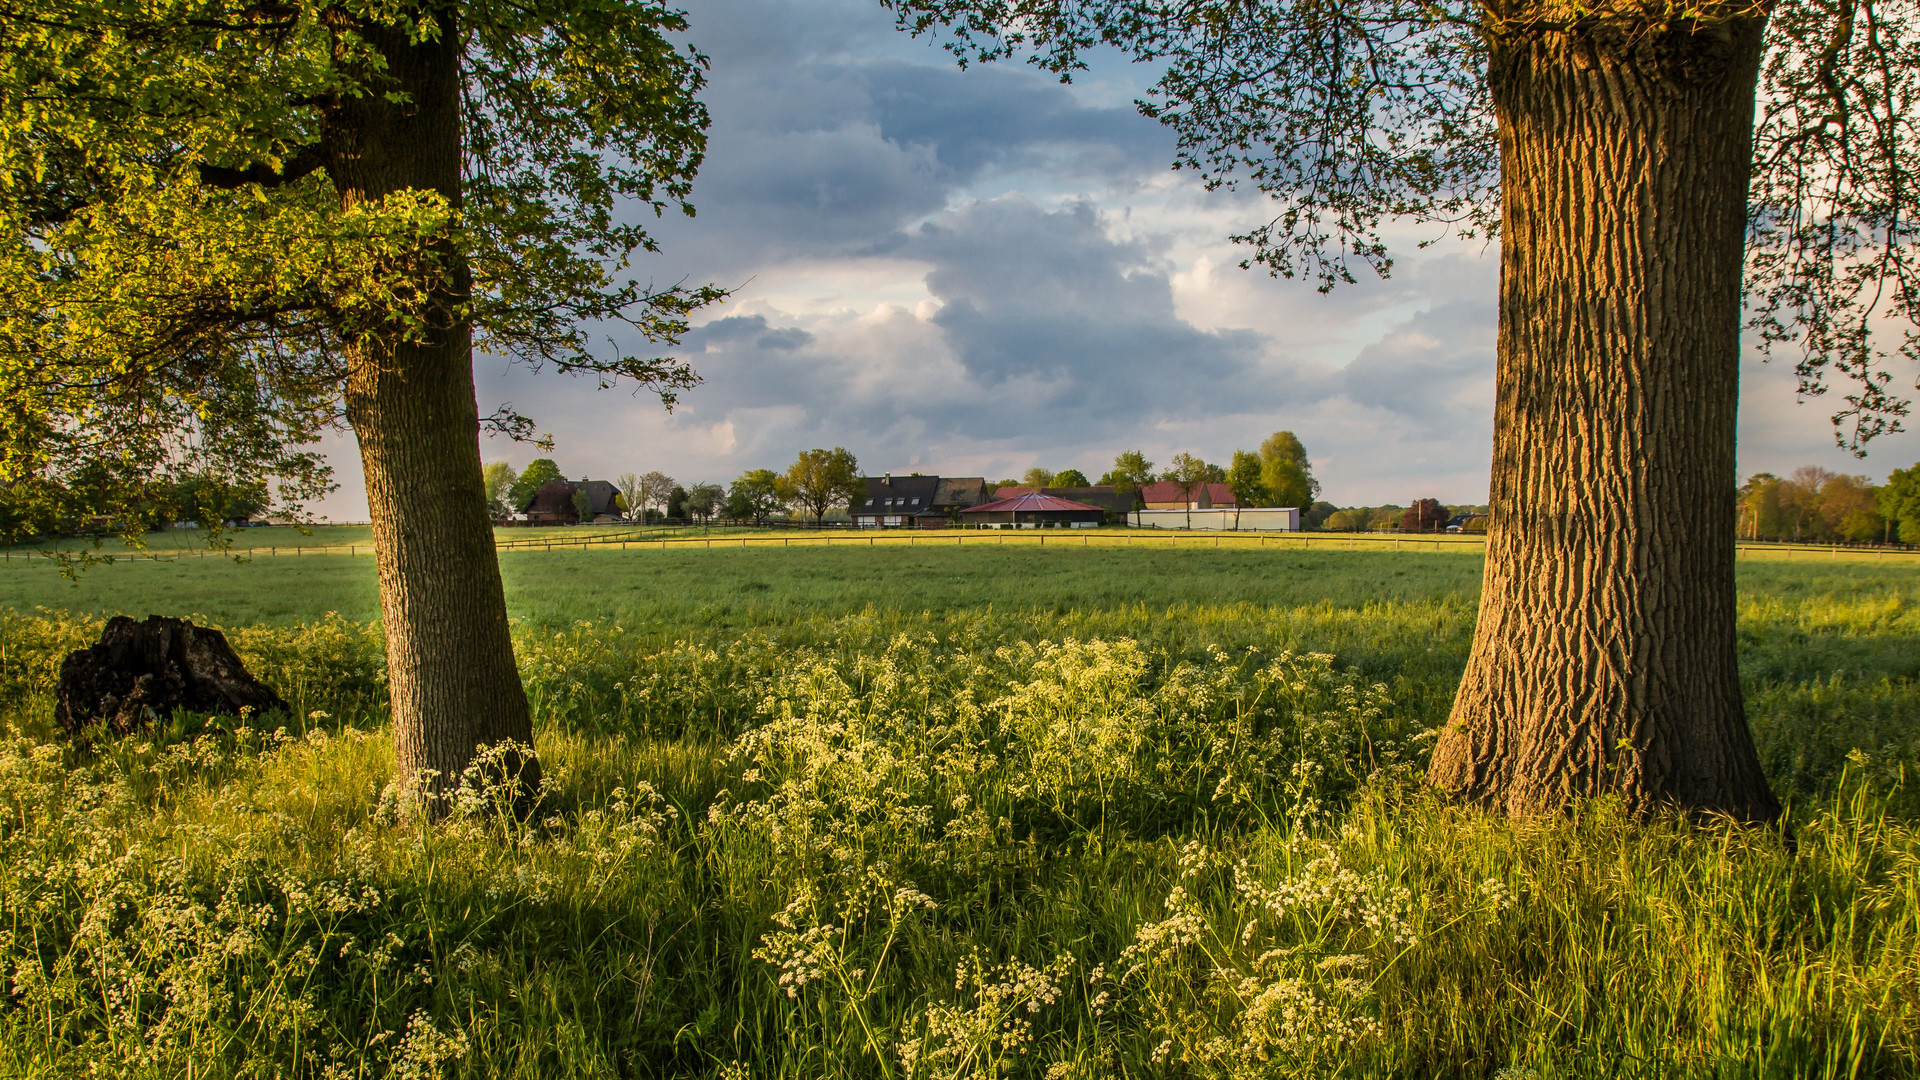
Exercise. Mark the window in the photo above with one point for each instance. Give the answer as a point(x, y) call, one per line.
point(869, 502)
point(916, 502)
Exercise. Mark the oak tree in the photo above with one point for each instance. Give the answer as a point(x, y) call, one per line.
point(1286, 472)
point(1245, 477)
point(233, 224)
point(1131, 471)
point(819, 480)
point(1640, 162)
point(756, 495)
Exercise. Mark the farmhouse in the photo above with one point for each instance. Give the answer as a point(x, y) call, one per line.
point(916, 502)
point(1034, 511)
point(552, 504)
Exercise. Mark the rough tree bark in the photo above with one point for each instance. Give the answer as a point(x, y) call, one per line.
point(1603, 660)
point(450, 667)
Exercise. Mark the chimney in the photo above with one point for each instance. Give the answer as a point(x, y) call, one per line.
point(887, 479)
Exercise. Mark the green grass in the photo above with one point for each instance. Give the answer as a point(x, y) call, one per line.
point(914, 812)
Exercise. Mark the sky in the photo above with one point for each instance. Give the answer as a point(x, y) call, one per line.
point(975, 272)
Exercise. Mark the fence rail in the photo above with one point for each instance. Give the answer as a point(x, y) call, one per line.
point(1171, 539)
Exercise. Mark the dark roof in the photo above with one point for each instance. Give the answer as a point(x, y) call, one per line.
point(960, 491)
point(556, 497)
point(1027, 503)
point(603, 495)
point(910, 494)
point(1101, 495)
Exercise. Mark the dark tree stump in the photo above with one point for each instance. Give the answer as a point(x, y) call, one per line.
point(143, 671)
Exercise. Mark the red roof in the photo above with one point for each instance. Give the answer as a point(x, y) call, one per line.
point(1030, 502)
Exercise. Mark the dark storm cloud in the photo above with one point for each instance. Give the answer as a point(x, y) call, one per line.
point(754, 328)
point(1049, 327)
point(821, 152)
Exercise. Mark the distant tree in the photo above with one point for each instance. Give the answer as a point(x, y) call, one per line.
point(677, 503)
point(1800, 504)
point(582, 507)
point(822, 479)
point(632, 494)
point(1385, 517)
point(705, 500)
point(1316, 515)
point(1900, 504)
point(1759, 507)
point(1424, 516)
point(531, 479)
point(1037, 478)
point(211, 502)
point(1191, 474)
point(498, 477)
point(1849, 510)
point(1476, 524)
point(1286, 472)
point(1352, 520)
point(998, 484)
point(1131, 471)
point(1245, 478)
point(1069, 478)
point(755, 495)
point(656, 488)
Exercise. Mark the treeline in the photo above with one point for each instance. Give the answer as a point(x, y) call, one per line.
point(1276, 474)
point(89, 504)
point(817, 482)
point(1819, 506)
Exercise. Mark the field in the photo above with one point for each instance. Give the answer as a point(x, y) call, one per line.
point(941, 812)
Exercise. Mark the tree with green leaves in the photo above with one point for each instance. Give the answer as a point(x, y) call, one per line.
point(656, 489)
point(1192, 474)
point(582, 507)
point(631, 495)
point(498, 478)
point(755, 495)
point(1037, 478)
point(531, 479)
point(1069, 478)
point(705, 500)
point(1900, 503)
point(232, 225)
point(1286, 472)
point(1131, 471)
point(819, 480)
point(1246, 477)
point(1646, 167)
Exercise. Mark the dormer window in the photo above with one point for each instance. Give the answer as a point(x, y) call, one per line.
point(916, 502)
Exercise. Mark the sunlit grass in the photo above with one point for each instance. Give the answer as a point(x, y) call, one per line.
point(1036, 817)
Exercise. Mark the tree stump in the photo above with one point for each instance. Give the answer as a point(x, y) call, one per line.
point(143, 671)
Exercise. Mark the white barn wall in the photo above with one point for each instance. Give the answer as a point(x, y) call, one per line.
point(1253, 519)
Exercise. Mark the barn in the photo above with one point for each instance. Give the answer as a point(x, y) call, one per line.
point(1033, 511)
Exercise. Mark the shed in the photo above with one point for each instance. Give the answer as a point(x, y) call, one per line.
point(1033, 511)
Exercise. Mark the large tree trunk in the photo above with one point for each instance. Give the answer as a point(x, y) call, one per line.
point(1603, 661)
point(450, 668)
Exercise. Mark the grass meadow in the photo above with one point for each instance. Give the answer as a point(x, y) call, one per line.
point(921, 812)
